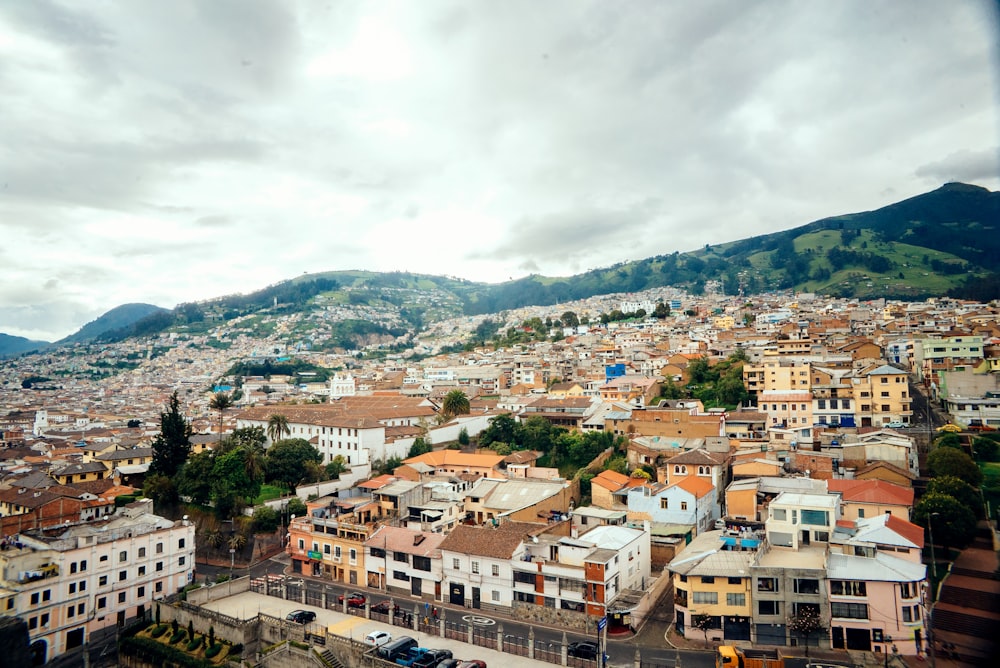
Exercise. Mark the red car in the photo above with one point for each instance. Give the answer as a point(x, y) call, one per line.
point(354, 600)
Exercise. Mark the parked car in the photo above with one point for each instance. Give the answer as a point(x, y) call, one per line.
point(583, 649)
point(411, 655)
point(354, 600)
point(397, 648)
point(449, 663)
point(431, 658)
point(378, 638)
point(472, 663)
point(301, 616)
point(896, 425)
point(383, 608)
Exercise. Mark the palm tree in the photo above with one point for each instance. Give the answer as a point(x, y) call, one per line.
point(277, 426)
point(254, 460)
point(455, 403)
point(220, 402)
point(237, 541)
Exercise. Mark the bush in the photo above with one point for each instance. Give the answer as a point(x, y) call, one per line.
point(237, 649)
point(195, 644)
point(213, 650)
point(265, 519)
point(177, 637)
point(159, 630)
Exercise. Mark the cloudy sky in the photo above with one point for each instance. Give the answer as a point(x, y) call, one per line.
point(165, 152)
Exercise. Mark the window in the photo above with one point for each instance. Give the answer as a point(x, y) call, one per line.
point(72, 567)
point(159, 548)
point(45, 619)
point(142, 592)
point(849, 610)
point(142, 570)
point(180, 544)
point(158, 588)
point(102, 581)
point(72, 587)
point(353, 553)
point(400, 556)
point(494, 596)
point(401, 575)
point(767, 584)
point(378, 552)
point(181, 561)
point(121, 597)
point(34, 598)
point(475, 567)
point(455, 564)
point(848, 588)
point(806, 586)
point(779, 514)
point(496, 570)
point(47, 595)
point(103, 558)
point(664, 503)
point(159, 565)
point(907, 589)
point(769, 607)
point(421, 563)
point(336, 552)
point(736, 599)
point(705, 597)
point(707, 579)
point(524, 578)
point(815, 517)
point(524, 597)
point(122, 556)
point(327, 549)
point(907, 614)
point(735, 581)
point(33, 623)
point(122, 576)
point(302, 544)
point(861, 513)
point(684, 505)
point(102, 602)
point(142, 552)
point(81, 608)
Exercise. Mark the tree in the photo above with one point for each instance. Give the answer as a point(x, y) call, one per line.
point(703, 623)
point(419, 447)
point(161, 490)
point(957, 489)
point(954, 524)
point(296, 507)
point(569, 319)
point(948, 440)
point(336, 466)
point(949, 461)
point(985, 449)
point(194, 480)
point(286, 461)
point(220, 402)
point(277, 427)
point(455, 403)
point(463, 436)
point(502, 429)
point(254, 460)
point(805, 622)
point(173, 444)
point(699, 371)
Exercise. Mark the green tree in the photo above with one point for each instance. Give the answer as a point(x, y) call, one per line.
point(958, 489)
point(173, 444)
point(195, 478)
point(502, 429)
point(419, 447)
point(537, 433)
point(703, 623)
point(286, 461)
point(221, 401)
point(277, 427)
point(161, 490)
point(731, 391)
point(948, 440)
point(254, 460)
point(244, 437)
point(336, 466)
point(232, 488)
point(985, 449)
point(296, 507)
point(570, 319)
point(455, 403)
point(949, 461)
point(618, 465)
point(699, 371)
point(463, 436)
point(954, 524)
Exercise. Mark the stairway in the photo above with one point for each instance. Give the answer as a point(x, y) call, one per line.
point(330, 660)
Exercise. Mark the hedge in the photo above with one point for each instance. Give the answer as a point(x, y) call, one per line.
point(155, 652)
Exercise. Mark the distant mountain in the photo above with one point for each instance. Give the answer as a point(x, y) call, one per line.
point(15, 345)
point(120, 318)
point(944, 242)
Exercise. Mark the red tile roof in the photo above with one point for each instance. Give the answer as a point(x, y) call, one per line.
point(871, 491)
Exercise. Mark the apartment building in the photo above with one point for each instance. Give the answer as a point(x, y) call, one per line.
point(69, 582)
point(881, 396)
point(405, 562)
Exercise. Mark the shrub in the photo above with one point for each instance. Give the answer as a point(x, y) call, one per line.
point(177, 637)
point(237, 649)
point(213, 650)
point(159, 631)
point(195, 644)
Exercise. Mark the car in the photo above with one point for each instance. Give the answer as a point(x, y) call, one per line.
point(301, 616)
point(950, 428)
point(410, 656)
point(354, 600)
point(431, 658)
point(449, 663)
point(378, 638)
point(895, 425)
point(472, 663)
point(383, 608)
point(583, 649)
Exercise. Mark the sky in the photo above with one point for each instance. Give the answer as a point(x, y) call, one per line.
point(168, 152)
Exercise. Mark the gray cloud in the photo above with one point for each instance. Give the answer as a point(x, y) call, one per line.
point(176, 151)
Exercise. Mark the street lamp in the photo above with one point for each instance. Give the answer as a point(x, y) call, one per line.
point(232, 561)
point(930, 531)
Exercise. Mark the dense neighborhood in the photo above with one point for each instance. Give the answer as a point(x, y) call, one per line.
point(772, 469)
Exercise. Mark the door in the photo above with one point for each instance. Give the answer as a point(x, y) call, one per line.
point(805, 536)
point(475, 597)
point(456, 594)
point(416, 586)
point(859, 639)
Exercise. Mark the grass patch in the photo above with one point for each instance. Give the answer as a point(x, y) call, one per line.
point(269, 493)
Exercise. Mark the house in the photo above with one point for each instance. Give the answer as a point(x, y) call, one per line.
point(453, 462)
point(69, 583)
point(871, 498)
point(331, 544)
point(688, 502)
point(605, 490)
point(404, 562)
point(520, 500)
point(477, 562)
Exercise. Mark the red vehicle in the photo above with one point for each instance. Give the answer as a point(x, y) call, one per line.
point(354, 600)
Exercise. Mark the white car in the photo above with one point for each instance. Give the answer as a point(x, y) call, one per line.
point(896, 425)
point(378, 638)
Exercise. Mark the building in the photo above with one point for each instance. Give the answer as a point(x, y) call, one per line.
point(404, 561)
point(69, 582)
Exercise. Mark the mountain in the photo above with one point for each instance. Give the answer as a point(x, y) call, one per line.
point(15, 345)
point(941, 242)
point(120, 318)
